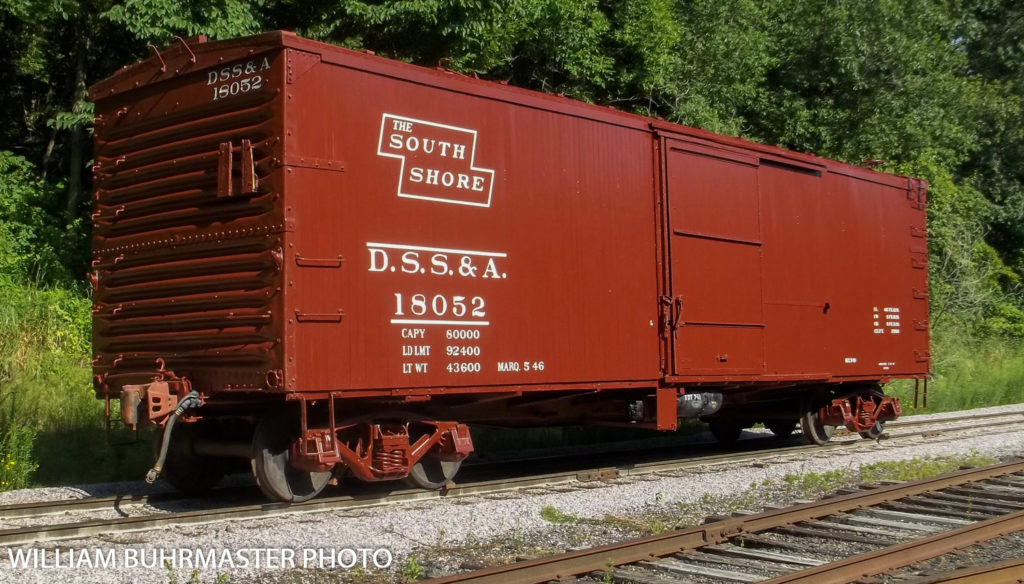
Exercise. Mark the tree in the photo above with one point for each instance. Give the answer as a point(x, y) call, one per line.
point(993, 37)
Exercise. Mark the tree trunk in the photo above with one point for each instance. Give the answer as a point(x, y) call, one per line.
point(77, 147)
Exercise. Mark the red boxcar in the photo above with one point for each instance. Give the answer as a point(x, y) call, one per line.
point(327, 261)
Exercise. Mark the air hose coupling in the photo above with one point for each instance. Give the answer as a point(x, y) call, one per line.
point(190, 401)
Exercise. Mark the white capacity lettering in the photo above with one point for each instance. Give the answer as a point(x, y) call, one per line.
point(462, 334)
point(456, 351)
point(463, 368)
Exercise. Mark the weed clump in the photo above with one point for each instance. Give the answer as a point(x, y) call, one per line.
point(17, 462)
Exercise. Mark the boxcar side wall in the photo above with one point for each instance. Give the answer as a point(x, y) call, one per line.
point(846, 267)
point(483, 243)
point(502, 242)
point(393, 228)
point(791, 269)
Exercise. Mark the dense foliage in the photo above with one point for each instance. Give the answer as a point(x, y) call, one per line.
point(933, 88)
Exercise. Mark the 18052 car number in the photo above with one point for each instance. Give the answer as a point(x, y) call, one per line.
point(237, 79)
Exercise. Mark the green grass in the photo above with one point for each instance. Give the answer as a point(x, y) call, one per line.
point(412, 570)
point(553, 515)
point(918, 469)
point(51, 424)
point(17, 462)
point(815, 485)
point(969, 374)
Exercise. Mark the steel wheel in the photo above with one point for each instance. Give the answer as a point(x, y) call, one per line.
point(271, 462)
point(781, 428)
point(814, 431)
point(183, 469)
point(431, 473)
point(874, 432)
point(725, 431)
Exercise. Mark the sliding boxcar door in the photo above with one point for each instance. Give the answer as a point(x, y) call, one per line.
point(715, 257)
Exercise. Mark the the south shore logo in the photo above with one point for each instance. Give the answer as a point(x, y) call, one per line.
point(437, 161)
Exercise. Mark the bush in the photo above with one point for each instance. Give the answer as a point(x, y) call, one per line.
point(37, 242)
point(47, 405)
point(44, 356)
point(17, 462)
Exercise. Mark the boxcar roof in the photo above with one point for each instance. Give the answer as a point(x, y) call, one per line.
point(196, 54)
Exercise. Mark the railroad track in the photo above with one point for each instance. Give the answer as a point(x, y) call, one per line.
point(137, 513)
point(886, 527)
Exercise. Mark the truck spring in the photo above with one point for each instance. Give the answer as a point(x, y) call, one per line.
point(390, 461)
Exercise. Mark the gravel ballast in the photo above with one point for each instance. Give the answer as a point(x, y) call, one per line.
point(447, 531)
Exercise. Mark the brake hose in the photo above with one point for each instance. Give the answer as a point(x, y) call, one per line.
point(190, 401)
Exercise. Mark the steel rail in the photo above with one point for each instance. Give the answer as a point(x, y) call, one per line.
point(906, 554)
point(39, 508)
point(912, 421)
point(572, 564)
point(22, 535)
point(115, 502)
point(28, 534)
point(1008, 572)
